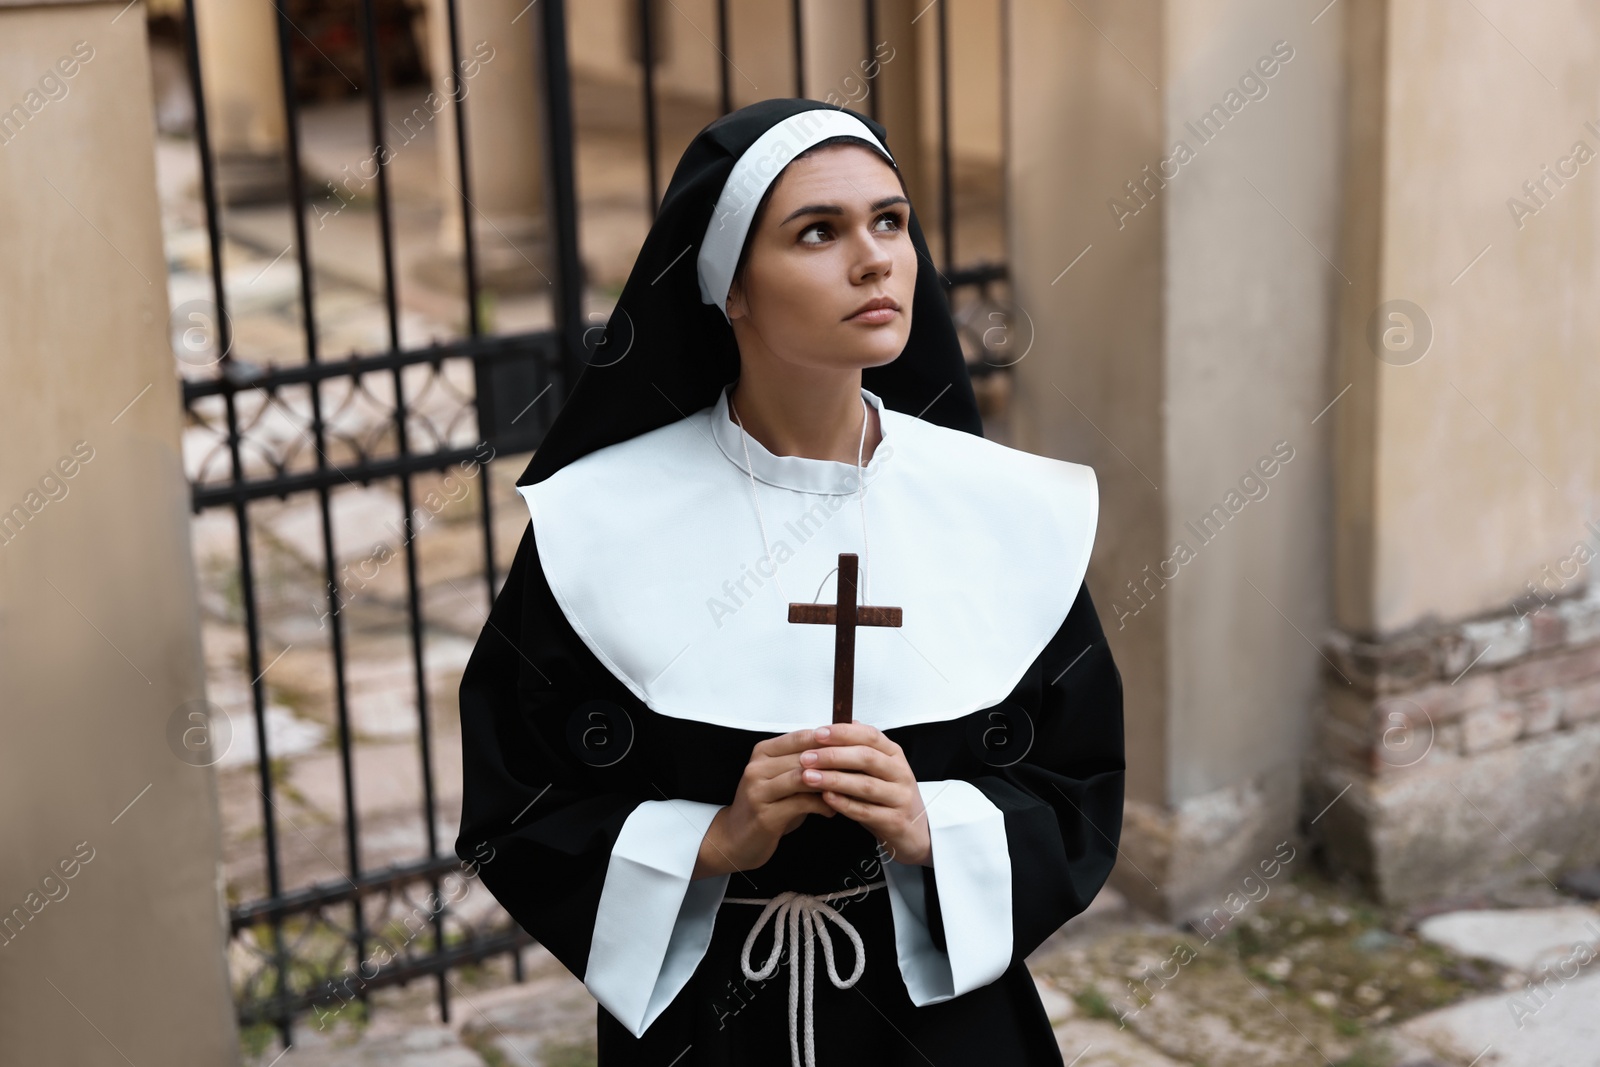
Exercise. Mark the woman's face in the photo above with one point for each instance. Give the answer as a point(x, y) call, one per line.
point(835, 236)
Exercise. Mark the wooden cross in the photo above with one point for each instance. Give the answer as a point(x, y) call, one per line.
point(844, 615)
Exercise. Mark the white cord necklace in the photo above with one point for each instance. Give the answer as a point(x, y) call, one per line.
point(861, 497)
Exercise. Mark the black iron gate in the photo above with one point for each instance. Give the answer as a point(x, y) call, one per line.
point(519, 382)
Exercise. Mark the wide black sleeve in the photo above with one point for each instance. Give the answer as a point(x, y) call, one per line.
point(1026, 800)
point(568, 835)
point(1063, 800)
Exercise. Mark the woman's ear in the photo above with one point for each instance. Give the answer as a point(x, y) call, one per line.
point(736, 307)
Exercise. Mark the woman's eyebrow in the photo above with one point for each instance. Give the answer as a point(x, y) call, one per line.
point(835, 209)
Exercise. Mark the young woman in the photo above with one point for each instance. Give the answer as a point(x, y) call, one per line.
point(654, 786)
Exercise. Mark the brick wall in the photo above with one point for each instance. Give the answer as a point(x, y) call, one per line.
point(1463, 756)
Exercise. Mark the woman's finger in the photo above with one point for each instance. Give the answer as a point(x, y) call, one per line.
point(861, 758)
point(855, 784)
point(784, 744)
point(856, 733)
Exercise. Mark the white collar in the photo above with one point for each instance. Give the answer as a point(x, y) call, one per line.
point(653, 552)
point(823, 476)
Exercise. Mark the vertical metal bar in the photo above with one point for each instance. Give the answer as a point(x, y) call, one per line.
point(946, 182)
point(1003, 67)
point(247, 588)
point(872, 52)
point(469, 254)
point(799, 49)
point(391, 303)
point(208, 189)
point(647, 66)
point(369, 28)
point(468, 246)
point(291, 116)
point(561, 195)
point(723, 49)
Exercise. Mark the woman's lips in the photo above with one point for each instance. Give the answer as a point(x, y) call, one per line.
point(874, 317)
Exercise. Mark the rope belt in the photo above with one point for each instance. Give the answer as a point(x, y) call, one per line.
point(804, 912)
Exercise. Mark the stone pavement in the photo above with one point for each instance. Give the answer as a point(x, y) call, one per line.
point(1547, 1013)
point(1310, 974)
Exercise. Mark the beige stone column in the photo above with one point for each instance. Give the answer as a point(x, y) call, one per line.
point(1463, 721)
point(112, 924)
point(244, 97)
point(1093, 314)
point(1178, 332)
point(497, 75)
point(1454, 513)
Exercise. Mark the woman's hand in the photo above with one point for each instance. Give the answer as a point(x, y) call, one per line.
point(865, 776)
point(771, 801)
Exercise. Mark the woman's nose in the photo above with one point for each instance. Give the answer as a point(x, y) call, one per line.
point(873, 257)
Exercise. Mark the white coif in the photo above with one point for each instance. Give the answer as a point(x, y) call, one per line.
point(751, 174)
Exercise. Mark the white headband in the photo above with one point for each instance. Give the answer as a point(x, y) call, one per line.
point(752, 173)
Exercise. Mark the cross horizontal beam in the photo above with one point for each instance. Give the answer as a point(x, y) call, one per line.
point(828, 613)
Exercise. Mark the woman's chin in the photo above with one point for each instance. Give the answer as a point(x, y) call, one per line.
point(876, 349)
point(851, 353)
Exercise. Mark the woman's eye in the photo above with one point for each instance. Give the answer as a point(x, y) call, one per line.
point(826, 231)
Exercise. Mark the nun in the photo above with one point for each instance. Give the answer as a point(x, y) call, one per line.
point(655, 786)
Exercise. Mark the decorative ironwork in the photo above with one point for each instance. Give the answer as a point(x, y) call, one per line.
point(283, 431)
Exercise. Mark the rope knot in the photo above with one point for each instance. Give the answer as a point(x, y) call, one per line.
point(803, 916)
